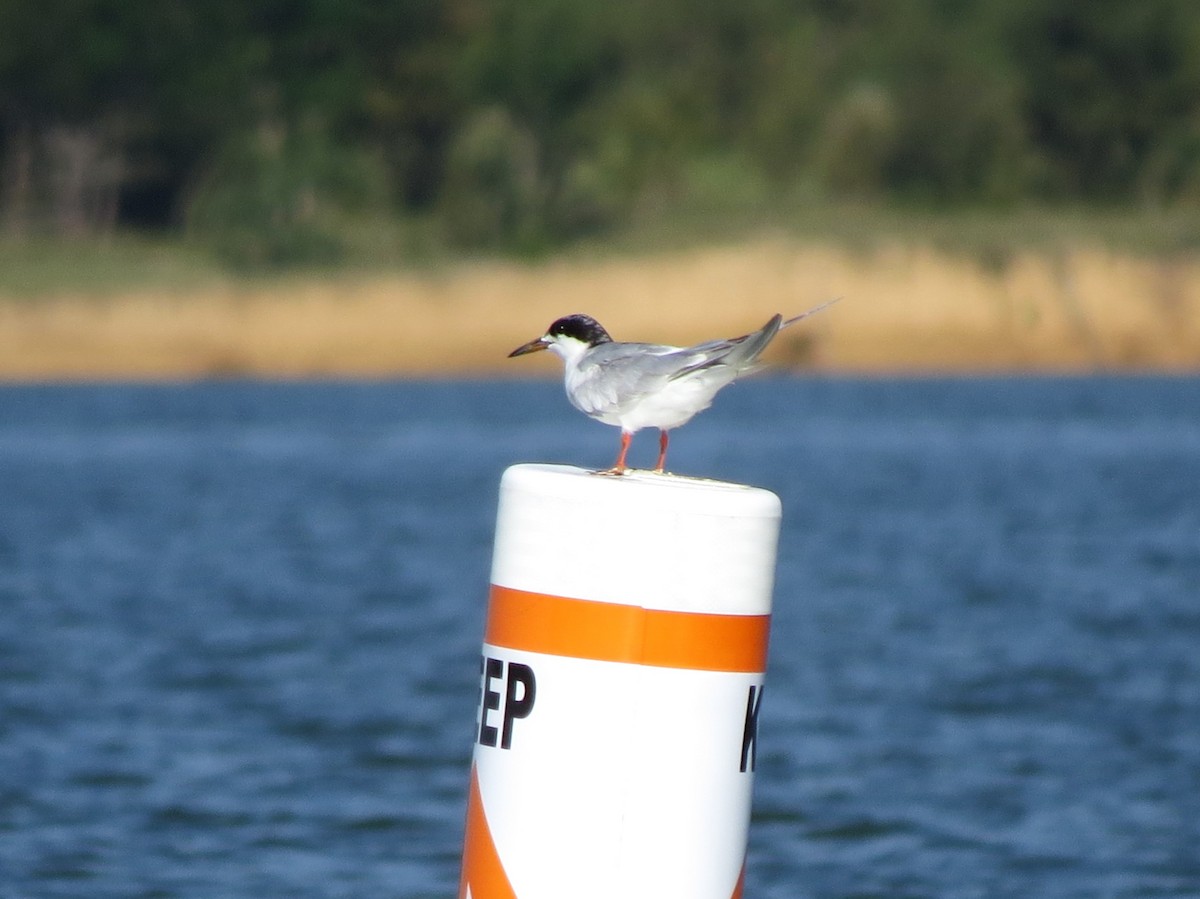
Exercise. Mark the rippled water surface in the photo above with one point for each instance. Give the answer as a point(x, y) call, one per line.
point(240, 624)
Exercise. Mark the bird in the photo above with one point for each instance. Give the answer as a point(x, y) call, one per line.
point(643, 385)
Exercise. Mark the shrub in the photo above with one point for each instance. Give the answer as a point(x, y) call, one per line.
point(280, 198)
point(492, 193)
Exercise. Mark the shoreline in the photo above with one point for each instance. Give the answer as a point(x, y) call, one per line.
point(905, 309)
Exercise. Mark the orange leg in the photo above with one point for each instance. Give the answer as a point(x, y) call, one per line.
point(625, 439)
point(662, 451)
point(619, 467)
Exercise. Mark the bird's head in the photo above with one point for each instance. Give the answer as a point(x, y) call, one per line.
point(568, 337)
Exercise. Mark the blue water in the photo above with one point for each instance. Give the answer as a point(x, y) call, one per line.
point(240, 622)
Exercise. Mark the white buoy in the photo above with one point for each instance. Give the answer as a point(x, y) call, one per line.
point(620, 687)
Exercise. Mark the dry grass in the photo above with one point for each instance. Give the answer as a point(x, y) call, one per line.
point(905, 308)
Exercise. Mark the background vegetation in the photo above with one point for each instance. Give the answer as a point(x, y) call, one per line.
point(283, 132)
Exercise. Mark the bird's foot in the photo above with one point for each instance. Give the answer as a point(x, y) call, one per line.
point(611, 472)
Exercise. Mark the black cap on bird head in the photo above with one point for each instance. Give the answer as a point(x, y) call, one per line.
point(579, 327)
point(582, 327)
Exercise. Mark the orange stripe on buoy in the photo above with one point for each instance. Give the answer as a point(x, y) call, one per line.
point(482, 871)
point(611, 632)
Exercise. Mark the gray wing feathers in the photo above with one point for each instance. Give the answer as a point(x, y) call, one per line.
point(738, 353)
point(616, 372)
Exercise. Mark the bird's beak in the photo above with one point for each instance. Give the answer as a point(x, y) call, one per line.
point(532, 347)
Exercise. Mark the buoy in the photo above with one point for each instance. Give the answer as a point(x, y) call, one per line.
point(621, 682)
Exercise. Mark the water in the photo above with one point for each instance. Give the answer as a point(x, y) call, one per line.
point(239, 629)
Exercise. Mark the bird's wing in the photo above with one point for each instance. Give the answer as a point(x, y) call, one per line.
point(617, 374)
point(738, 353)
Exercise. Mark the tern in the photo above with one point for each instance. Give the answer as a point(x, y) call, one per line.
point(646, 385)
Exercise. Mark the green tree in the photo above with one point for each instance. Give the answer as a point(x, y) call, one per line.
point(1109, 88)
